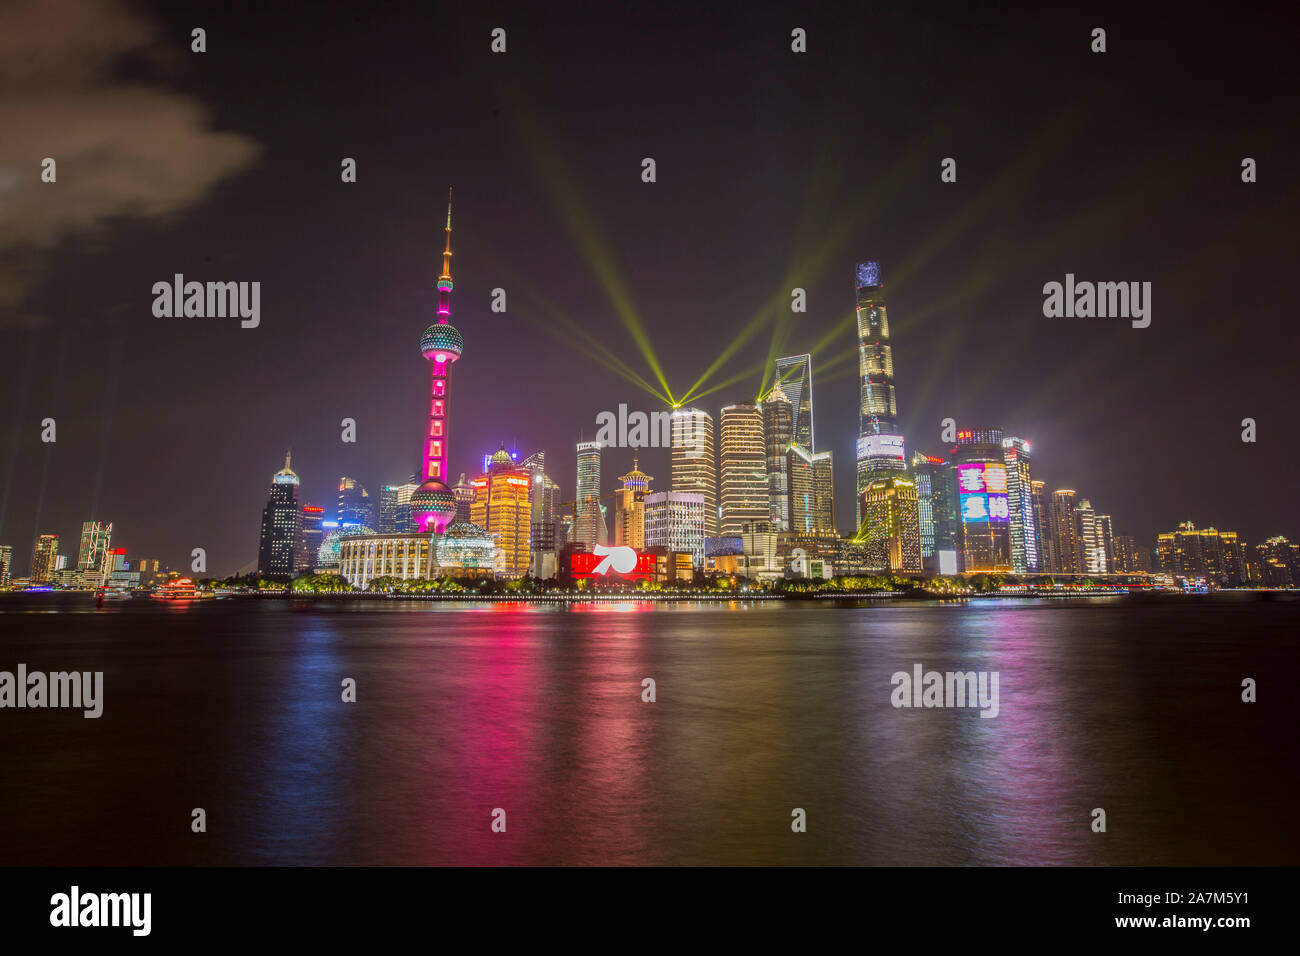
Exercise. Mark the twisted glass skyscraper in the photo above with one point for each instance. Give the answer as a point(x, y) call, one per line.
point(880, 443)
point(888, 504)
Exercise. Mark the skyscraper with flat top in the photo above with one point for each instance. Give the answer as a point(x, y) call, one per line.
point(812, 491)
point(465, 494)
point(778, 433)
point(675, 520)
point(1047, 559)
point(1092, 553)
point(546, 497)
point(588, 522)
point(1020, 502)
point(395, 507)
point(695, 469)
point(985, 525)
point(937, 499)
point(1069, 555)
point(355, 506)
point(45, 554)
point(891, 526)
point(1106, 541)
point(743, 466)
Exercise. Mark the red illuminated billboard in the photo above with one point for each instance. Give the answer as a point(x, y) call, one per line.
point(584, 565)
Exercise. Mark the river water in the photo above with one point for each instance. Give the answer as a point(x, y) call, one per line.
point(762, 710)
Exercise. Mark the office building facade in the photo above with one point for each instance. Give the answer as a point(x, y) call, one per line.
point(742, 464)
point(675, 520)
point(695, 468)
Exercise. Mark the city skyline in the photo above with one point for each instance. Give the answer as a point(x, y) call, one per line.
point(781, 372)
point(142, 436)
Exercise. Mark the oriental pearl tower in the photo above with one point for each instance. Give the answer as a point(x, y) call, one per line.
point(433, 504)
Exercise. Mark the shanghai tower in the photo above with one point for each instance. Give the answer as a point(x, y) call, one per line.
point(433, 504)
point(880, 444)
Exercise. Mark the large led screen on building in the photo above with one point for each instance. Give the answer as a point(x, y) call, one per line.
point(880, 446)
point(586, 565)
point(982, 488)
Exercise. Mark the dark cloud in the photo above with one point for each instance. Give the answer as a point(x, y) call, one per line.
point(122, 148)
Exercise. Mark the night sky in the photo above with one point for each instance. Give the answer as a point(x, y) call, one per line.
point(774, 170)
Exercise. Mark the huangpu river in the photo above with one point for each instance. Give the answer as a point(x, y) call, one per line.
point(767, 717)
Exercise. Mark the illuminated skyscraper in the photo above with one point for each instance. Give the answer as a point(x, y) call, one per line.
point(503, 508)
point(311, 535)
point(985, 513)
point(880, 443)
point(794, 377)
point(1069, 555)
point(742, 462)
point(395, 507)
point(925, 507)
point(92, 555)
point(279, 542)
point(694, 466)
point(1106, 540)
point(629, 508)
point(535, 463)
point(1091, 550)
point(1125, 558)
point(1275, 563)
point(464, 494)
point(891, 527)
point(812, 491)
point(1020, 503)
point(355, 506)
point(6, 564)
point(45, 555)
point(589, 522)
point(433, 505)
point(546, 499)
point(547, 520)
point(1218, 556)
point(675, 520)
point(778, 432)
point(1047, 559)
point(936, 490)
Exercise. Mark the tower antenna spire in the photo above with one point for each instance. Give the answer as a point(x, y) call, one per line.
point(433, 505)
point(446, 255)
point(444, 280)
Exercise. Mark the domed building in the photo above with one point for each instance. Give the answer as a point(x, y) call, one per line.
point(466, 550)
point(327, 555)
